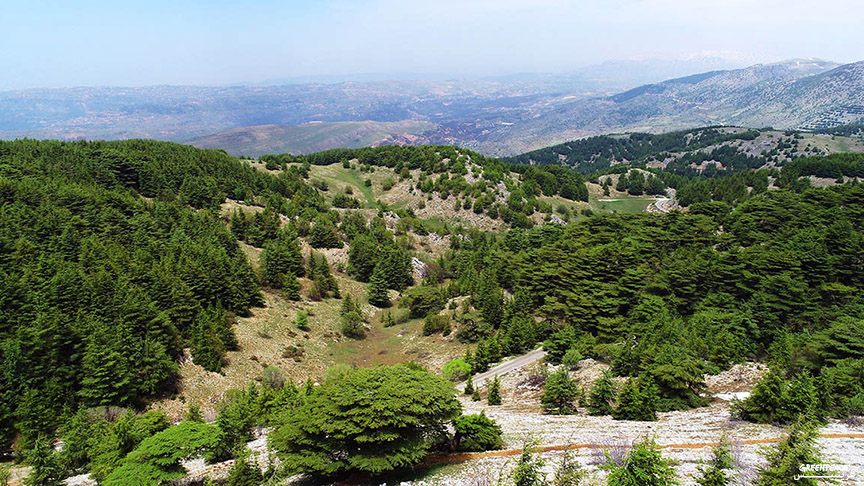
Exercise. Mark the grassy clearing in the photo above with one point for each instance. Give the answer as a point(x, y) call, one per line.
point(626, 204)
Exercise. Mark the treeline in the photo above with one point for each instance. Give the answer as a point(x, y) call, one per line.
point(591, 154)
point(835, 166)
point(666, 299)
point(113, 259)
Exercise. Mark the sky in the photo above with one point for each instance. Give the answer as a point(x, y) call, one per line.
point(216, 42)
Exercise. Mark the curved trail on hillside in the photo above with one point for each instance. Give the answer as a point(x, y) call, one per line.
point(505, 367)
point(438, 459)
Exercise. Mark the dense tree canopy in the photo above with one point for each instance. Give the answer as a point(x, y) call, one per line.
point(372, 420)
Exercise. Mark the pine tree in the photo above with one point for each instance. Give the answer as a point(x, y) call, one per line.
point(786, 458)
point(302, 321)
point(559, 393)
point(387, 320)
point(494, 397)
point(637, 401)
point(378, 293)
point(245, 472)
point(291, 288)
point(644, 466)
point(194, 414)
point(46, 469)
point(602, 396)
point(529, 468)
point(476, 395)
point(559, 343)
point(469, 386)
point(715, 472)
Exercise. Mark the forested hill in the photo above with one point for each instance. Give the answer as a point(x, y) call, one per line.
point(115, 257)
point(112, 260)
point(730, 148)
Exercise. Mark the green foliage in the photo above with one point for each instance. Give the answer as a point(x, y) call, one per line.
point(194, 414)
point(378, 294)
point(477, 433)
point(238, 413)
point(643, 466)
point(637, 400)
point(568, 472)
point(324, 235)
point(469, 385)
point(778, 400)
point(786, 458)
point(112, 441)
point(245, 472)
point(559, 393)
point(529, 468)
point(107, 264)
point(572, 358)
point(494, 396)
point(372, 420)
point(601, 398)
point(559, 343)
point(456, 370)
point(424, 300)
point(157, 459)
point(45, 463)
point(281, 260)
point(716, 472)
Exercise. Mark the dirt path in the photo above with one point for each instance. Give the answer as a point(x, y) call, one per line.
point(506, 367)
point(454, 458)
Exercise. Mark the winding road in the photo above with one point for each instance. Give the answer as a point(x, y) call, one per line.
point(506, 367)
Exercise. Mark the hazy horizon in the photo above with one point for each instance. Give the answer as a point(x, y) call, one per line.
point(99, 43)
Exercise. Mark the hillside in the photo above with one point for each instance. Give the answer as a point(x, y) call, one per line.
point(499, 116)
point(725, 148)
point(791, 94)
point(315, 137)
point(170, 311)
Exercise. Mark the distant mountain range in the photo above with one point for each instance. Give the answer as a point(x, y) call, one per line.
point(497, 116)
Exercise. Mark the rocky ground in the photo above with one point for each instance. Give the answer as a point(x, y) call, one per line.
point(686, 436)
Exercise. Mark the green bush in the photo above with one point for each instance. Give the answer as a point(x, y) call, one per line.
point(643, 466)
point(456, 370)
point(476, 433)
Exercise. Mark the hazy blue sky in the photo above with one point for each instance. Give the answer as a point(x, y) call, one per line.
point(135, 42)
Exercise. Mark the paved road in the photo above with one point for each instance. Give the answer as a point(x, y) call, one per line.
point(506, 367)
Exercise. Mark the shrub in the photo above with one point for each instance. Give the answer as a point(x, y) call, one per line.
point(456, 370)
point(476, 433)
point(572, 358)
point(644, 466)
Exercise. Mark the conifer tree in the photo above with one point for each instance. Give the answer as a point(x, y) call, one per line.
point(302, 321)
point(469, 385)
point(637, 400)
point(378, 294)
point(602, 396)
point(494, 397)
point(786, 458)
point(715, 473)
point(291, 289)
point(559, 393)
point(644, 466)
